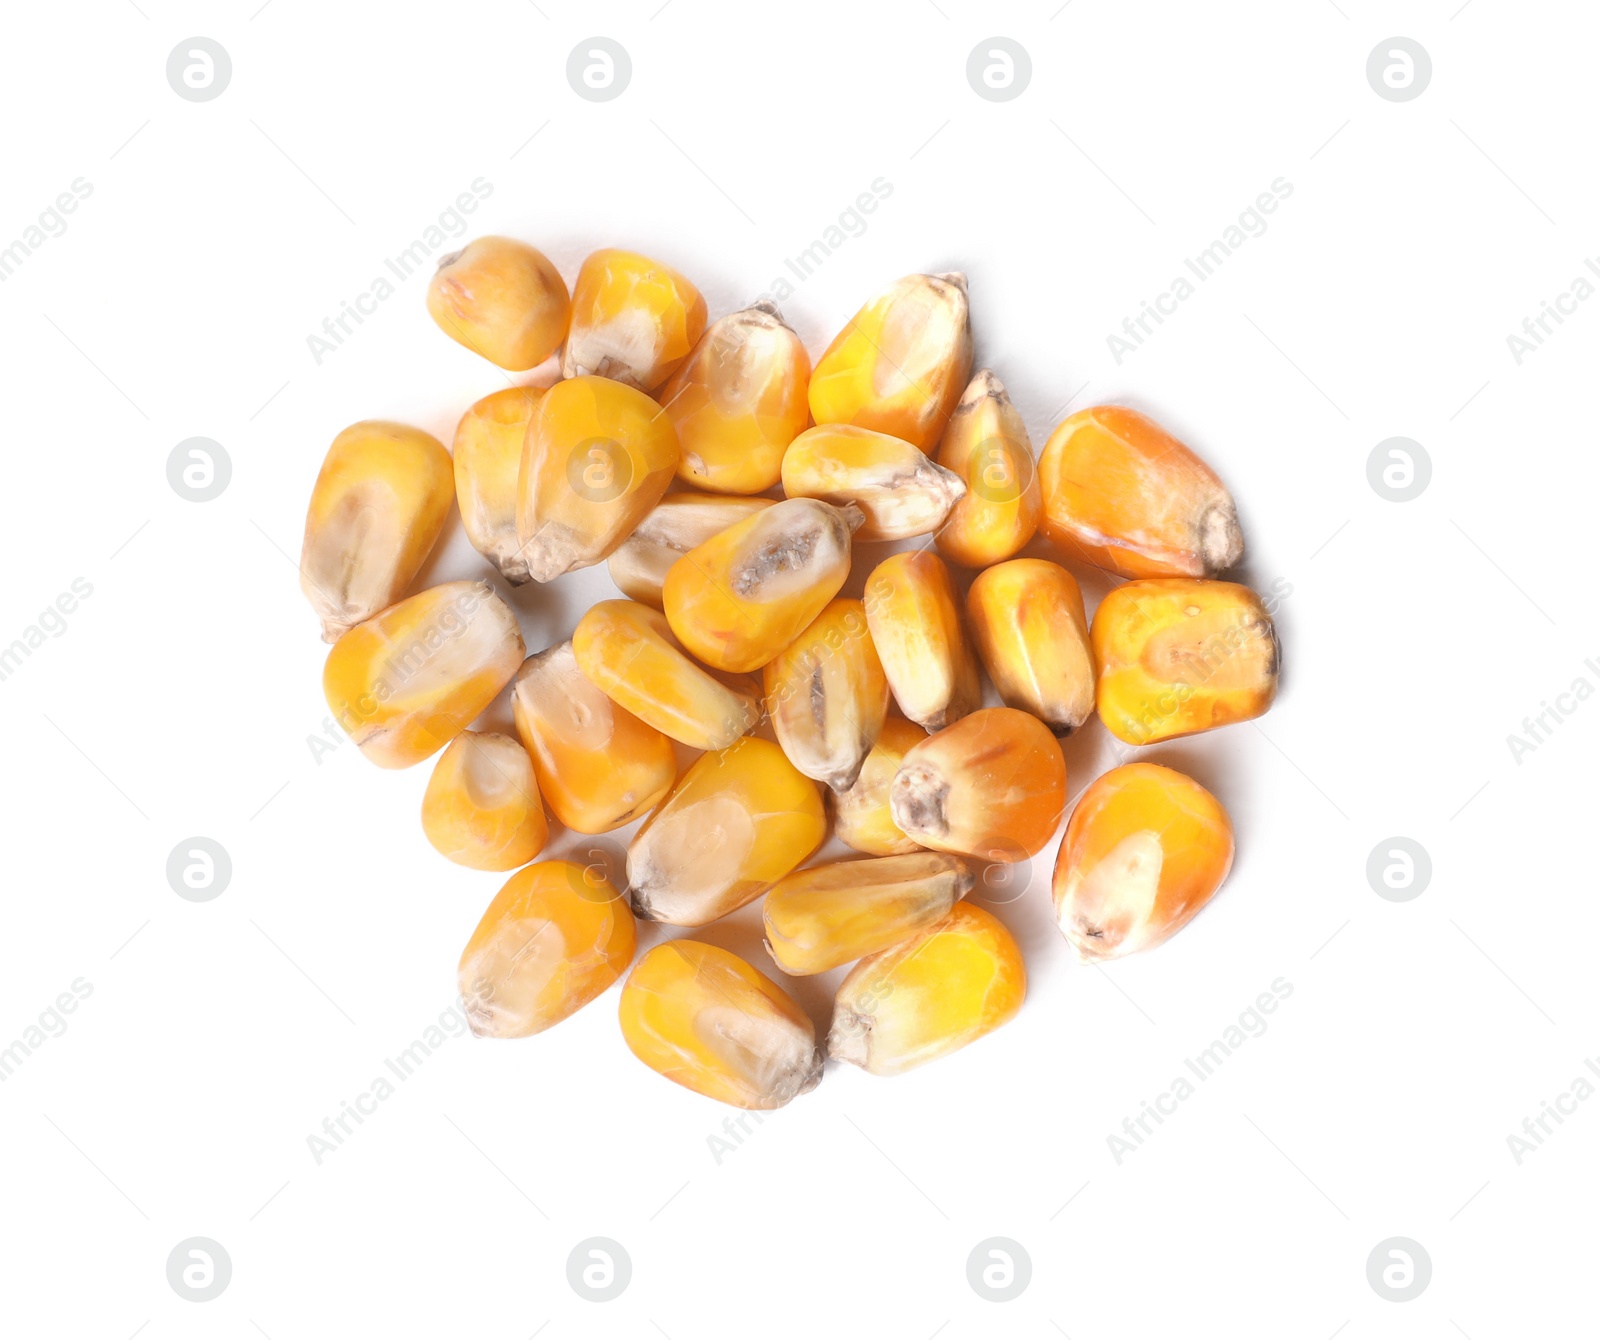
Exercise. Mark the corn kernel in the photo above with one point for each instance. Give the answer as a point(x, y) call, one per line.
point(628, 652)
point(1145, 849)
point(899, 365)
point(678, 523)
point(598, 766)
point(379, 504)
point(817, 919)
point(737, 822)
point(597, 457)
point(488, 459)
point(1028, 623)
point(1122, 493)
point(408, 681)
point(707, 1020)
point(501, 299)
point(634, 320)
point(739, 401)
point(744, 595)
point(986, 444)
point(1178, 655)
point(554, 938)
point(861, 815)
point(900, 490)
point(993, 785)
point(481, 808)
point(930, 995)
point(916, 628)
point(827, 696)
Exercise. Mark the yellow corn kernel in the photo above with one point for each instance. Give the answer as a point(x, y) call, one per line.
point(899, 365)
point(597, 457)
point(916, 628)
point(739, 401)
point(744, 595)
point(379, 504)
point(1122, 493)
point(861, 816)
point(678, 523)
point(993, 785)
point(628, 652)
point(930, 995)
point(707, 1020)
point(408, 681)
point(1028, 623)
point(481, 808)
point(634, 320)
point(1145, 849)
point(598, 766)
point(901, 492)
point(737, 822)
point(986, 443)
point(1178, 655)
point(488, 460)
point(501, 299)
point(817, 919)
point(555, 937)
point(827, 696)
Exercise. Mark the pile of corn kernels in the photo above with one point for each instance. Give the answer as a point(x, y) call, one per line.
point(732, 618)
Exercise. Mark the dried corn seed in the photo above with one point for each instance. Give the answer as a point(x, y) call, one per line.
point(916, 627)
point(481, 808)
point(1028, 624)
point(986, 444)
point(900, 490)
point(634, 320)
point(488, 460)
point(676, 524)
point(861, 815)
point(501, 299)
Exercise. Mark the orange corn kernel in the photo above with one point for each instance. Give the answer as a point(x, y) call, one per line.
point(1028, 623)
point(707, 1020)
point(554, 938)
point(901, 492)
point(862, 818)
point(481, 808)
point(598, 766)
point(408, 681)
point(899, 365)
point(634, 320)
point(986, 444)
point(739, 401)
point(993, 785)
point(628, 652)
point(930, 995)
point(916, 627)
point(676, 524)
point(1122, 493)
point(501, 299)
point(1145, 849)
point(488, 460)
point(1179, 655)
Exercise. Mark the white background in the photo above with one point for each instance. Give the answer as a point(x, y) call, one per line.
point(180, 699)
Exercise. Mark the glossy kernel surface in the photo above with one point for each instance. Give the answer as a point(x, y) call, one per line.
point(1028, 624)
point(900, 490)
point(481, 808)
point(917, 629)
point(674, 526)
point(862, 817)
point(488, 460)
point(634, 320)
point(986, 444)
point(502, 299)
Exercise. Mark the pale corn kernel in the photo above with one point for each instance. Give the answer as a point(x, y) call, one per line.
point(597, 457)
point(634, 320)
point(744, 595)
point(676, 524)
point(862, 818)
point(1027, 621)
point(1122, 493)
point(986, 443)
point(901, 492)
point(707, 1020)
point(827, 696)
point(501, 299)
point(488, 461)
point(899, 365)
point(930, 995)
point(1178, 655)
point(916, 627)
point(993, 785)
point(628, 652)
point(376, 511)
point(409, 680)
point(739, 401)
point(737, 822)
point(481, 808)
point(817, 919)
point(554, 938)
point(598, 766)
point(1145, 849)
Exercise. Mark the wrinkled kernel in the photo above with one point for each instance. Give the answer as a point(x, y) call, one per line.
point(862, 818)
point(481, 808)
point(634, 320)
point(488, 460)
point(678, 523)
point(916, 627)
point(1028, 623)
point(501, 299)
point(986, 444)
point(901, 492)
